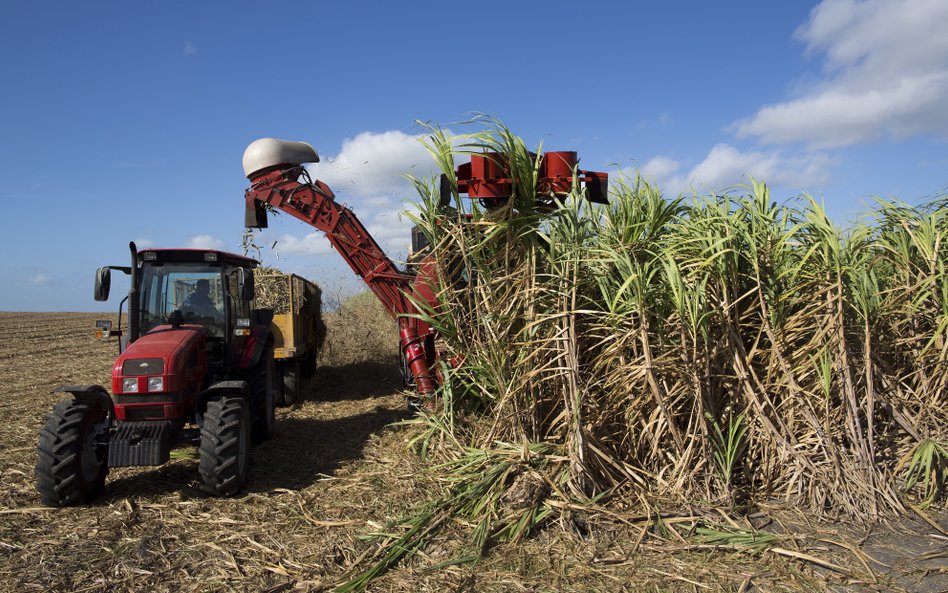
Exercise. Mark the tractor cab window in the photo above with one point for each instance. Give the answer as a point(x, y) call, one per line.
point(196, 291)
point(240, 308)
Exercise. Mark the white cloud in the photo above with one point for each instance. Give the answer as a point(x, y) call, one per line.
point(390, 231)
point(392, 234)
point(189, 49)
point(144, 243)
point(204, 242)
point(381, 202)
point(663, 119)
point(885, 74)
point(660, 167)
point(368, 173)
point(373, 164)
point(312, 244)
point(39, 279)
point(725, 166)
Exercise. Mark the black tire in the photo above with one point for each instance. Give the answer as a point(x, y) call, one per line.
point(263, 391)
point(225, 442)
point(291, 382)
point(72, 458)
point(308, 365)
point(281, 393)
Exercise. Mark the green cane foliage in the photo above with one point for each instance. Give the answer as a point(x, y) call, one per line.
point(622, 331)
point(735, 538)
point(677, 348)
point(483, 486)
point(927, 471)
point(728, 444)
point(416, 529)
point(674, 348)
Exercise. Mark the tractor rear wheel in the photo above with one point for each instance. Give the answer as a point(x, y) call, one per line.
point(72, 455)
point(308, 365)
point(263, 390)
point(281, 393)
point(291, 383)
point(225, 443)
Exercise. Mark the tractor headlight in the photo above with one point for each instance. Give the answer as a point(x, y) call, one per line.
point(156, 384)
point(130, 385)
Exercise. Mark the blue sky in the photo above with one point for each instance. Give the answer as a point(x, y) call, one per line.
point(127, 121)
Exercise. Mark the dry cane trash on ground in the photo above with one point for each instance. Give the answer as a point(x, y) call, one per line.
point(335, 474)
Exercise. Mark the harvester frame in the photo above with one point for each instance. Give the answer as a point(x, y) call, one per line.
point(278, 180)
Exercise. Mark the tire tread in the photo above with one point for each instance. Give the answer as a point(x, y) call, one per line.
point(220, 446)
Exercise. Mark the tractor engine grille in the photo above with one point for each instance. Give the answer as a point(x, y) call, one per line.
point(138, 367)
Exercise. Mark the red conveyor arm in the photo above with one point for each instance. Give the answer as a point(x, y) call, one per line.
point(313, 203)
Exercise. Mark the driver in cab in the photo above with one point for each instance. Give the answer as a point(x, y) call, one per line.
point(199, 302)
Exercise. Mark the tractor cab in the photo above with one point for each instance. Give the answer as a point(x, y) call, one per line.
point(193, 290)
point(172, 288)
point(187, 287)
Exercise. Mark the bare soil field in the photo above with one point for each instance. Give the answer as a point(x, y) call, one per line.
point(338, 472)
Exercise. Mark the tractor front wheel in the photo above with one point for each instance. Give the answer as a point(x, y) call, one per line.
point(72, 456)
point(225, 442)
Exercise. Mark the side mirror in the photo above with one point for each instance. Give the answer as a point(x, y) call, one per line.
point(245, 282)
point(103, 328)
point(103, 281)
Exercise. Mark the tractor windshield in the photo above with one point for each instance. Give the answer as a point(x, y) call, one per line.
point(193, 289)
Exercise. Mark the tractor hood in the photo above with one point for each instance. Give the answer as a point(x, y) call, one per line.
point(162, 352)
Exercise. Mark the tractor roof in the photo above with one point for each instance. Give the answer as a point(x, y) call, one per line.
point(197, 256)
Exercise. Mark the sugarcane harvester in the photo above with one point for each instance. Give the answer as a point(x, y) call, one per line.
point(279, 180)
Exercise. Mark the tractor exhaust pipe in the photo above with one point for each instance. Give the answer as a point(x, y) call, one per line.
point(134, 327)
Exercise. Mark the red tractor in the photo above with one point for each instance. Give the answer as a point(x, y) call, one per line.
point(279, 180)
point(195, 368)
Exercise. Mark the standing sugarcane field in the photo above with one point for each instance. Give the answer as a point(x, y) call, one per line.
point(502, 298)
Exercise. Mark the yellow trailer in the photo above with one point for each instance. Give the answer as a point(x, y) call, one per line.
point(298, 329)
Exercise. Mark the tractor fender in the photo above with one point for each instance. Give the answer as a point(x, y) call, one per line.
point(232, 388)
point(90, 394)
point(260, 336)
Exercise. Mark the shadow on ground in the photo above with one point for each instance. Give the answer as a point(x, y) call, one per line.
point(342, 408)
point(308, 448)
point(361, 380)
point(304, 450)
